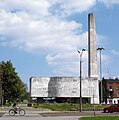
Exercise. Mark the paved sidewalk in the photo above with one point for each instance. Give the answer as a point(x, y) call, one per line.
point(41, 114)
point(37, 117)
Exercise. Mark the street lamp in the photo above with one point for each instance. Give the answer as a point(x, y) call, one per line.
point(100, 50)
point(80, 55)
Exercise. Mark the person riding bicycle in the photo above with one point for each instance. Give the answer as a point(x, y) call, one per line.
point(15, 107)
point(16, 110)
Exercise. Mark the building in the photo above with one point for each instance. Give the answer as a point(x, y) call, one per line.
point(63, 89)
point(74, 88)
point(111, 90)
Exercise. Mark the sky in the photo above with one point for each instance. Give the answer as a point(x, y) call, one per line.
point(41, 37)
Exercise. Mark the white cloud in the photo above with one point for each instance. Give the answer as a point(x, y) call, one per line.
point(56, 38)
point(67, 7)
point(37, 26)
point(68, 63)
point(47, 7)
point(39, 7)
point(108, 3)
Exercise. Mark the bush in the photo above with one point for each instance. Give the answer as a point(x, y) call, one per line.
point(29, 105)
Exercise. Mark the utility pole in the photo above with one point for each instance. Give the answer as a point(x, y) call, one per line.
point(80, 55)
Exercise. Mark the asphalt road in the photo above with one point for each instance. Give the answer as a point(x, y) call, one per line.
point(54, 116)
point(91, 113)
point(37, 117)
point(1, 114)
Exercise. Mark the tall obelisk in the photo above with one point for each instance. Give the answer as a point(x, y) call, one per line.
point(92, 50)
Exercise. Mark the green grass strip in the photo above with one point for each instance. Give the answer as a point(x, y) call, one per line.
point(101, 118)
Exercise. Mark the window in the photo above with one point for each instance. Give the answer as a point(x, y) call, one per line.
point(117, 87)
point(110, 87)
point(110, 101)
point(117, 94)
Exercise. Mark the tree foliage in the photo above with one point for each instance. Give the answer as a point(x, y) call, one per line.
point(12, 86)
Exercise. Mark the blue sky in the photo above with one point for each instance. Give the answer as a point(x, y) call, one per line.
point(41, 37)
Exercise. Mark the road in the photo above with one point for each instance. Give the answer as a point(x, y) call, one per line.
point(37, 117)
point(53, 115)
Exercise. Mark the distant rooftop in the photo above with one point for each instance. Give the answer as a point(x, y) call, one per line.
point(111, 80)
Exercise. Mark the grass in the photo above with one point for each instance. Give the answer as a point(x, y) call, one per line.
point(57, 107)
point(65, 107)
point(101, 118)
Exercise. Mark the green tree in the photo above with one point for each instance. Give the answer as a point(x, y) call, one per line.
point(14, 89)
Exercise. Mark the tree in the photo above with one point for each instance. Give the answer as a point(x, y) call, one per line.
point(14, 89)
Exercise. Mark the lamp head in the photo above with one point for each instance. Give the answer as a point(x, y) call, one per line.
point(78, 51)
point(83, 49)
point(100, 48)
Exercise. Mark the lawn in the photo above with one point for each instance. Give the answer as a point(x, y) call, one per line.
point(66, 107)
point(101, 118)
point(57, 107)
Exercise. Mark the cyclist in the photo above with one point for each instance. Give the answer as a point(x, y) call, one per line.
point(15, 107)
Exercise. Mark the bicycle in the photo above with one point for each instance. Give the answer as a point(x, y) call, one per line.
point(19, 111)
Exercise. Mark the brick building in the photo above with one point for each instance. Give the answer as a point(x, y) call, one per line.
point(111, 91)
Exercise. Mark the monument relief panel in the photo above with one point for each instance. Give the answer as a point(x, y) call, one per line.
point(39, 86)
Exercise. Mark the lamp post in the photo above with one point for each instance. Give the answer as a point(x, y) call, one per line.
point(93, 102)
point(100, 50)
point(80, 55)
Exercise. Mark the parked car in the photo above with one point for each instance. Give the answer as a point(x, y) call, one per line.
point(111, 108)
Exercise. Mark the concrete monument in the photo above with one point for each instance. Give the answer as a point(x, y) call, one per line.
point(92, 50)
point(62, 88)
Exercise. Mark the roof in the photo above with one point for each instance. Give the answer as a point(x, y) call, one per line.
point(111, 80)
